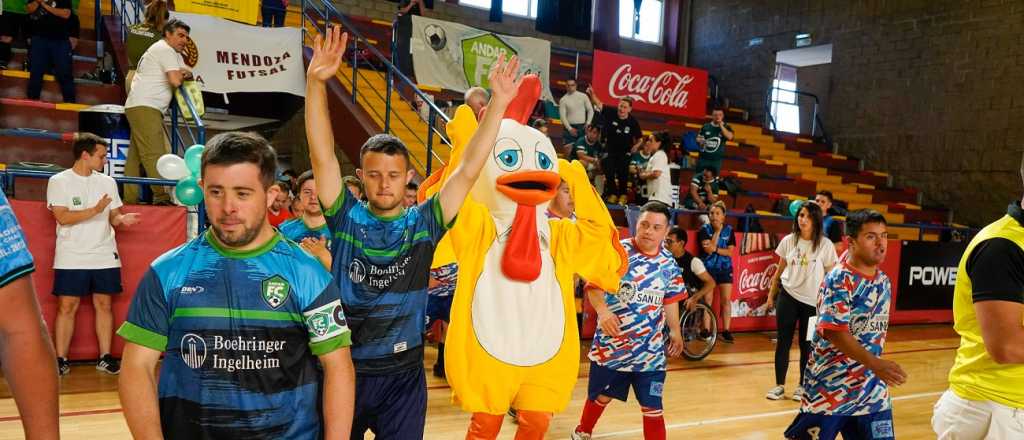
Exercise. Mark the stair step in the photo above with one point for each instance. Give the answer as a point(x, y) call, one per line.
point(78, 68)
point(14, 84)
point(76, 57)
point(36, 149)
point(24, 113)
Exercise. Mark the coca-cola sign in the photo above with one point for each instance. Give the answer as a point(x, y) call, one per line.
point(654, 87)
point(754, 274)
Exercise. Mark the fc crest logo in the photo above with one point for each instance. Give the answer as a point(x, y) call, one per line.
point(275, 291)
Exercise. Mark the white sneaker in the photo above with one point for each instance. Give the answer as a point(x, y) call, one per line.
point(579, 435)
point(776, 393)
point(798, 394)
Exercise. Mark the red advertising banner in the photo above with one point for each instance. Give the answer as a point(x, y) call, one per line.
point(159, 230)
point(654, 86)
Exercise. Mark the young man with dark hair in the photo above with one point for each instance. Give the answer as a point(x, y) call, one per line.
point(254, 338)
point(712, 138)
point(575, 112)
point(85, 203)
point(411, 190)
point(588, 150)
point(622, 137)
point(51, 46)
point(280, 208)
point(26, 354)
point(699, 283)
point(831, 228)
point(846, 383)
point(384, 250)
point(703, 190)
point(985, 398)
point(629, 347)
point(161, 70)
point(309, 227)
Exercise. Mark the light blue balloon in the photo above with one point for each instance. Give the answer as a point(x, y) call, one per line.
point(794, 207)
point(194, 158)
point(188, 191)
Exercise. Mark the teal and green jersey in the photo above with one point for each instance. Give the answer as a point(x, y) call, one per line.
point(296, 230)
point(713, 149)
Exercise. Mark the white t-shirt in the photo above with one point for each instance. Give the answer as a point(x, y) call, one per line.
point(150, 87)
point(89, 244)
point(575, 109)
point(660, 188)
point(805, 270)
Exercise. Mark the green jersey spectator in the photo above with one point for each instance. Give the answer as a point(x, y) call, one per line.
point(588, 149)
point(703, 190)
point(712, 139)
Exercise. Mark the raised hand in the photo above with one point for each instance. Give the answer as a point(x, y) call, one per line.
point(327, 54)
point(504, 78)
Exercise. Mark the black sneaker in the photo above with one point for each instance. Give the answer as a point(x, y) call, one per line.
point(727, 337)
point(63, 367)
point(108, 364)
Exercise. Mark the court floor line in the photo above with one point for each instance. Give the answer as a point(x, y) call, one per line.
point(747, 417)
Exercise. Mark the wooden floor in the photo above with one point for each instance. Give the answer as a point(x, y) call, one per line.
point(721, 397)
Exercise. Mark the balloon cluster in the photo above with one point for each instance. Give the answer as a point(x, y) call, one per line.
point(186, 171)
point(794, 207)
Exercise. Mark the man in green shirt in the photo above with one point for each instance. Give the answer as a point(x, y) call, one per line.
point(13, 25)
point(703, 190)
point(712, 139)
point(588, 150)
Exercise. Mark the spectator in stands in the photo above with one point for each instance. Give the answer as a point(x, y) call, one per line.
point(575, 111)
point(833, 229)
point(622, 137)
point(541, 125)
point(699, 283)
point(588, 150)
point(354, 185)
point(636, 188)
point(273, 12)
point(309, 226)
point(476, 98)
point(141, 36)
point(712, 139)
point(703, 190)
point(74, 28)
point(597, 107)
point(279, 211)
point(160, 71)
point(804, 259)
point(717, 242)
point(291, 177)
point(403, 33)
point(13, 26)
point(51, 46)
point(656, 173)
point(411, 189)
point(85, 203)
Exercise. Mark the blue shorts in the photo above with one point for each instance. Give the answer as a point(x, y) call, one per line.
point(16, 261)
point(393, 406)
point(82, 282)
point(647, 385)
point(722, 277)
point(439, 308)
point(877, 426)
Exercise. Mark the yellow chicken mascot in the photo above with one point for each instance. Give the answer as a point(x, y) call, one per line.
point(512, 341)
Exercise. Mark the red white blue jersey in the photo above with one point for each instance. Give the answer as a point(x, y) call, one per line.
point(652, 282)
point(835, 384)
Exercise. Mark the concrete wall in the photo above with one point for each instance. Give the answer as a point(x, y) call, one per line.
point(926, 90)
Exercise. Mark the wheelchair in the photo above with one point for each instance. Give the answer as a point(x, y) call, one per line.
point(700, 331)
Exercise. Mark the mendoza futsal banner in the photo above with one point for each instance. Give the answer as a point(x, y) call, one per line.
point(244, 11)
point(655, 87)
point(456, 57)
point(230, 57)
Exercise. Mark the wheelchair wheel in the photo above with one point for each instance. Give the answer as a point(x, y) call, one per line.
point(698, 338)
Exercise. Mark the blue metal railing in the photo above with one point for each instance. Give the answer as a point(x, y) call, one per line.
point(198, 137)
point(128, 12)
point(320, 14)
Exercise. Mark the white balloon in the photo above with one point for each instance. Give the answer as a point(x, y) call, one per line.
point(172, 167)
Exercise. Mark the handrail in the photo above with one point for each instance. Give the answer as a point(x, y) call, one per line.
point(137, 9)
point(327, 12)
point(816, 121)
point(197, 138)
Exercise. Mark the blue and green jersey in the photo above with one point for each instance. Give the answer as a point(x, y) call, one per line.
point(296, 230)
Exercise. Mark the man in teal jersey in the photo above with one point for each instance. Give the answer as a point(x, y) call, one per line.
point(309, 229)
point(712, 139)
point(382, 250)
point(253, 333)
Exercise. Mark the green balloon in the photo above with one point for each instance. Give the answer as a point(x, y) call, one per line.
point(188, 192)
point(794, 207)
point(194, 158)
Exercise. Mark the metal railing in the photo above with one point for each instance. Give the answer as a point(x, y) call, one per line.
point(320, 12)
point(817, 124)
point(199, 137)
point(128, 12)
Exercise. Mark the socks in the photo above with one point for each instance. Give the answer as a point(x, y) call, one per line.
point(591, 412)
point(654, 424)
point(440, 357)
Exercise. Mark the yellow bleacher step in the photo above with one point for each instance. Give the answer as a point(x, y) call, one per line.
point(793, 161)
point(821, 178)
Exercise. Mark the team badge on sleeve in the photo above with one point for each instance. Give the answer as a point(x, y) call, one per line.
point(325, 322)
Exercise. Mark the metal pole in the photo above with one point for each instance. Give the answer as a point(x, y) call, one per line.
point(814, 118)
point(174, 127)
point(576, 71)
point(430, 139)
point(390, 76)
point(302, 16)
point(355, 76)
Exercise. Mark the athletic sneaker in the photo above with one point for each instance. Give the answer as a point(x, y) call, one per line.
point(576, 435)
point(798, 394)
point(776, 393)
point(108, 364)
point(727, 337)
point(514, 415)
point(63, 367)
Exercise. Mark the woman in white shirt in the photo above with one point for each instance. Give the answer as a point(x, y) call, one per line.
point(806, 255)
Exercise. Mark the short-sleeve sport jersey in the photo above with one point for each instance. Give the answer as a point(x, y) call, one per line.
point(382, 266)
point(15, 260)
point(836, 384)
point(296, 230)
point(240, 332)
point(652, 282)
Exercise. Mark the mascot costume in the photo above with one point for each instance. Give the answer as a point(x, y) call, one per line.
point(512, 341)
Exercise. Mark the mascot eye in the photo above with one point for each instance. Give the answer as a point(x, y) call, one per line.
point(510, 159)
point(543, 161)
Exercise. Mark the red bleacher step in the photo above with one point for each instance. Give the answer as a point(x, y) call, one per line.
point(21, 113)
point(14, 84)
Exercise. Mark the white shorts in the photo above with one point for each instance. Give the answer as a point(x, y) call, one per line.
point(955, 418)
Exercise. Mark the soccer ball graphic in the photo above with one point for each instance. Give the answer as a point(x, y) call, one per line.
point(435, 37)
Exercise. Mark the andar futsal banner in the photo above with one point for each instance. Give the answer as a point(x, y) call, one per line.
point(456, 57)
point(230, 57)
point(245, 11)
point(654, 86)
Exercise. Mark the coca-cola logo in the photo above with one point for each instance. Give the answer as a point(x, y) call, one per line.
point(754, 282)
point(668, 88)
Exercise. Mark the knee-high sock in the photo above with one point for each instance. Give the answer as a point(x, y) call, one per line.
point(484, 426)
point(532, 424)
point(654, 424)
point(591, 412)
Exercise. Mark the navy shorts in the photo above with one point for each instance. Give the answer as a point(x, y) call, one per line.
point(393, 406)
point(722, 277)
point(647, 385)
point(81, 282)
point(439, 308)
point(877, 426)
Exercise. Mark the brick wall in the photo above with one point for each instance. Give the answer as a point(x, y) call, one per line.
point(925, 90)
